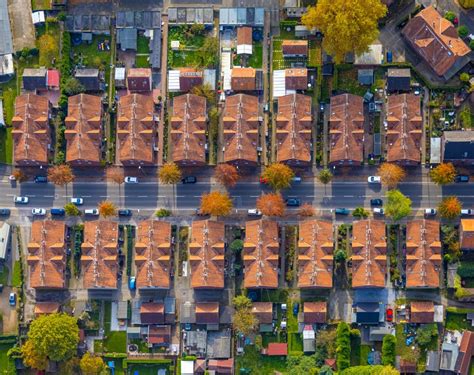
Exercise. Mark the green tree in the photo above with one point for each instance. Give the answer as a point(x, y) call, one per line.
point(343, 346)
point(464, 77)
point(463, 31)
point(325, 177)
point(370, 370)
point(71, 209)
point(397, 205)
point(242, 301)
point(245, 321)
point(207, 55)
point(426, 334)
point(236, 246)
point(450, 16)
point(360, 213)
point(388, 350)
point(91, 365)
point(72, 86)
point(340, 256)
point(471, 44)
point(278, 176)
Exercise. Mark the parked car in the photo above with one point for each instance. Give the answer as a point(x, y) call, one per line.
point(77, 201)
point(20, 200)
point(132, 283)
point(430, 211)
point(58, 212)
point(342, 211)
point(125, 212)
point(4, 211)
point(374, 179)
point(467, 212)
point(254, 212)
point(378, 211)
point(92, 212)
point(12, 177)
point(12, 299)
point(130, 180)
point(41, 179)
point(189, 180)
point(389, 314)
point(38, 212)
point(296, 179)
point(293, 202)
point(462, 178)
point(296, 308)
point(376, 202)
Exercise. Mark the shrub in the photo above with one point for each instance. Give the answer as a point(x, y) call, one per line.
point(471, 44)
point(450, 16)
point(236, 246)
point(464, 77)
point(163, 212)
point(463, 31)
point(388, 350)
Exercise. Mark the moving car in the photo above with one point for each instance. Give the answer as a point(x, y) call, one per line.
point(21, 200)
point(376, 202)
point(254, 212)
point(374, 179)
point(430, 211)
point(12, 299)
point(58, 211)
point(92, 212)
point(293, 202)
point(130, 180)
point(342, 211)
point(467, 212)
point(40, 179)
point(4, 211)
point(462, 178)
point(125, 212)
point(38, 212)
point(77, 201)
point(189, 180)
point(378, 211)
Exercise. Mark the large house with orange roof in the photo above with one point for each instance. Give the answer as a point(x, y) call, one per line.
point(261, 254)
point(47, 255)
point(346, 130)
point(241, 122)
point(153, 255)
point(423, 264)
point(436, 40)
point(136, 130)
point(244, 79)
point(466, 236)
point(84, 130)
point(99, 260)
point(315, 254)
point(404, 129)
point(188, 130)
point(31, 132)
point(369, 254)
point(206, 254)
point(294, 129)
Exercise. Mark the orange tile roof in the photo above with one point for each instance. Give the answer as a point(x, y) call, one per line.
point(188, 129)
point(152, 313)
point(369, 249)
point(206, 254)
point(221, 366)
point(466, 351)
point(436, 40)
point(261, 254)
point(467, 234)
point(207, 312)
point(404, 128)
point(296, 79)
point(241, 122)
point(346, 131)
point(315, 254)
point(277, 348)
point(31, 132)
point(293, 129)
point(244, 35)
point(159, 335)
point(153, 254)
point(421, 312)
point(83, 130)
point(423, 254)
point(43, 308)
point(315, 312)
point(136, 130)
point(99, 260)
point(243, 79)
point(47, 255)
point(295, 47)
point(263, 311)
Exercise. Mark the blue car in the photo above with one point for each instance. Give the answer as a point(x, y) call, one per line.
point(296, 308)
point(12, 299)
point(132, 283)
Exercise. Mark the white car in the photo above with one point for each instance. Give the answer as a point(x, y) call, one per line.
point(92, 212)
point(378, 211)
point(374, 180)
point(467, 212)
point(130, 180)
point(12, 178)
point(254, 212)
point(21, 200)
point(38, 211)
point(430, 211)
point(77, 201)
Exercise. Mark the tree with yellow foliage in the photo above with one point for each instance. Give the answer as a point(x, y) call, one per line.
point(169, 174)
point(443, 174)
point(278, 176)
point(391, 174)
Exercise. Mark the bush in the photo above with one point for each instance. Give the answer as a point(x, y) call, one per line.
point(463, 31)
point(343, 346)
point(388, 350)
point(464, 77)
point(360, 213)
point(471, 44)
point(163, 212)
point(450, 16)
point(236, 246)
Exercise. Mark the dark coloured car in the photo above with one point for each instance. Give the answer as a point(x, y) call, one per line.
point(376, 202)
point(4, 211)
point(189, 180)
point(342, 211)
point(41, 179)
point(125, 212)
point(58, 211)
point(293, 202)
point(462, 178)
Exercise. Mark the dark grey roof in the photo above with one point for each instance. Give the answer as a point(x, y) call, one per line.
point(6, 43)
point(368, 313)
point(34, 79)
point(127, 38)
point(458, 145)
point(87, 22)
point(155, 55)
point(87, 73)
point(218, 344)
point(432, 361)
point(89, 78)
point(139, 20)
point(241, 16)
point(365, 76)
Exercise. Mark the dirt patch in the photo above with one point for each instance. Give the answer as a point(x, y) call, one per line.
point(9, 324)
point(23, 31)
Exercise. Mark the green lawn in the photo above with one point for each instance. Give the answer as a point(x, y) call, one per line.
point(142, 62)
point(359, 352)
point(116, 342)
point(90, 56)
point(314, 57)
point(258, 364)
point(457, 321)
point(347, 81)
point(256, 59)
point(48, 45)
point(118, 362)
point(41, 4)
point(16, 276)
point(287, 32)
point(292, 320)
point(182, 59)
point(4, 276)
point(268, 337)
point(295, 342)
point(188, 55)
point(142, 345)
point(107, 316)
point(6, 145)
point(7, 365)
point(143, 44)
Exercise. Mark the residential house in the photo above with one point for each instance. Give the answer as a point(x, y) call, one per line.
point(276, 349)
point(188, 130)
point(136, 130)
point(31, 131)
point(159, 336)
point(241, 122)
point(437, 42)
point(369, 254)
point(261, 254)
point(263, 311)
point(466, 351)
point(127, 38)
point(139, 80)
point(206, 254)
point(423, 264)
point(244, 40)
point(84, 130)
point(46, 308)
point(153, 255)
point(207, 313)
point(346, 130)
point(89, 78)
point(294, 129)
point(99, 259)
point(315, 254)
point(35, 79)
point(221, 366)
point(466, 236)
point(371, 313)
point(309, 336)
point(244, 79)
point(152, 313)
point(404, 129)
point(398, 80)
point(294, 48)
point(315, 312)
point(422, 312)
point(47, 255)
point(296, 79)
point(457, 147)
point(120, 74)
point(219, 343)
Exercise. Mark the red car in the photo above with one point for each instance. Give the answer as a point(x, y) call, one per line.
point(263, 180)
point(389, 314)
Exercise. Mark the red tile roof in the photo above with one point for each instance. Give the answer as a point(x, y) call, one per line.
point(31, 132)
point(44, 308)
point(421, 312)
point(294, 129)
point(241, 122)
point(243, 79)
point(315, 254)
point(277, 349)
point(53, 78)
point(315, 312)
point(207, 313)
point(188, 130)
point(206, 254)
point(47, 255)
point(423, 254)
point(159, 335)
point(153, 254)
point(404, 129)
point(152, 313)
point(84, 130)
point(466, 351)
point(263, 311)
point(221, 366)
point(136, 130)
point(296, 79)
point(467, 234)
point(244, 35)
point(295, 47)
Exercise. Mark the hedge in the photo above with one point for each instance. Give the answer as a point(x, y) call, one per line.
point(466, 269)
point(388, 350)
point(343, 346)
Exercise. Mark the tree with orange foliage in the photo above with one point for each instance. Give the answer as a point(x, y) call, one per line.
point(443, 174)
point(271, 204)
point(226, 174)
point(169, 174)
point(61, 175)
point(216, 203)
point(19, 175)
point(307, 210)
point(278, 176)
point(450, 208)
point(107, 209)
point(391, 174)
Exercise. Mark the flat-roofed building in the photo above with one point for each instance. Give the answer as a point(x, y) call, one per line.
point(294, 48)
point(467, 234)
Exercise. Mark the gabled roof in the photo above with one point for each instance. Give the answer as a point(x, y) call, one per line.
point(404, 128)
point(244, 40)
point(243, 79)
point(53, 78)
point(159, 335)
point(422, 312)
point(47, 255)
point(296, 79)
point(423, 254)
point(315, 312)
point(467, 234)
point(152, 313)
point(240, 122)
point(139, 79)
point(277, 349)
point(207, 312)
point(346, 128)
point(221, 366)
point(206, 254)
point(315, 254)
point(295, 47)
point(261, 254)
point(188, 129)
point(99, 260)
point(294, 129)
point(43, 308)
point(153, 254)
point(84, 129)
point(263, 311)
point(369, 249)
point(136, 129)
point(466, 350)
